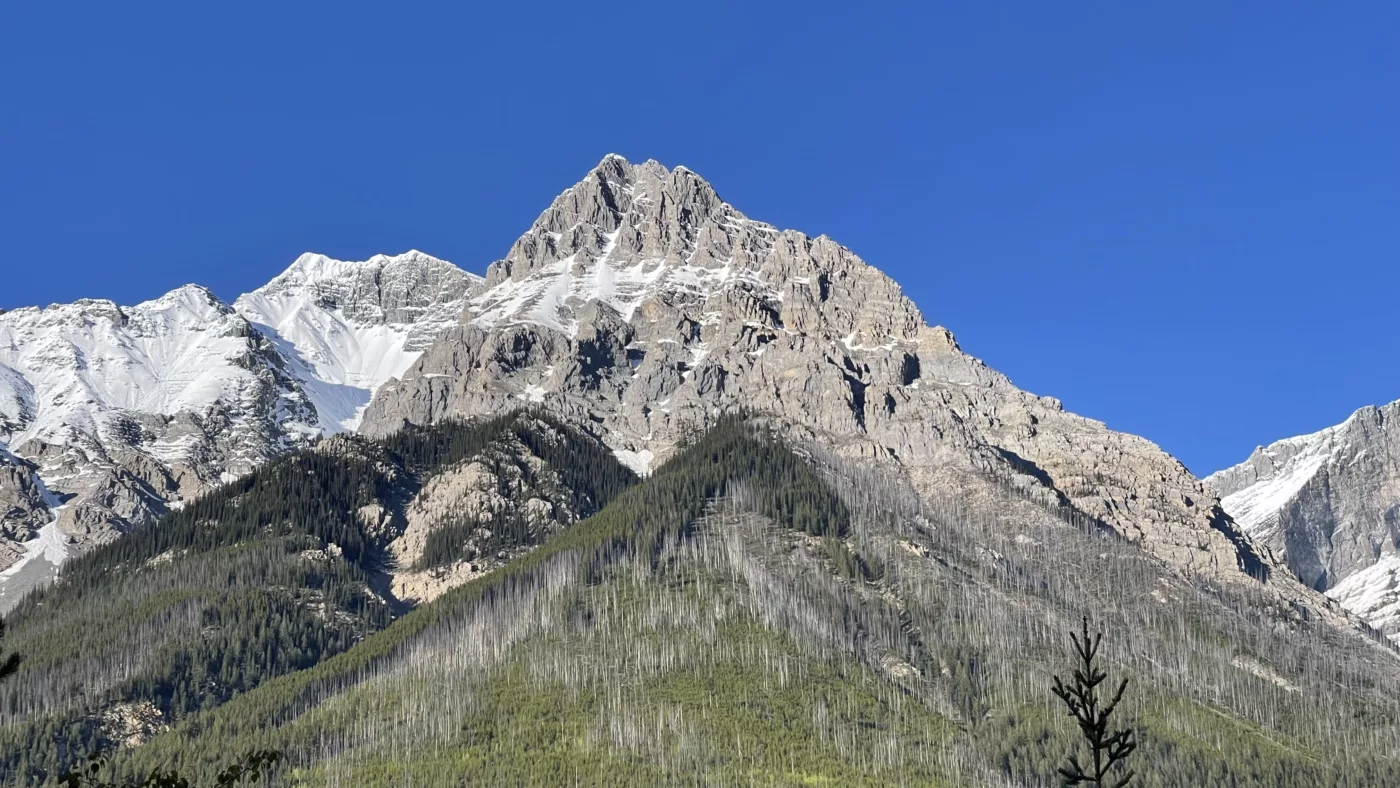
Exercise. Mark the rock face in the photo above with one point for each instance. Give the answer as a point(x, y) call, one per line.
point(1329, 505)
point(132, 724)
point(445, 526)
point(24, 508)
point(641, 303)
point(499, 504)
point(346, 327)
point(110, 414)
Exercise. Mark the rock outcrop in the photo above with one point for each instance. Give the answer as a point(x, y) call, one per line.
point(499, 504)
point(24, 508)
point(444, 526)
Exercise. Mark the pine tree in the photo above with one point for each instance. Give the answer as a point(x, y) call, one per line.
point(1107, 749)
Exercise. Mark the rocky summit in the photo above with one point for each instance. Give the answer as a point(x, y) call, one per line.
point(643, 304)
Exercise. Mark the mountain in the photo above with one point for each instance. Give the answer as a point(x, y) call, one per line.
point(110, 415)
point(121, 410)
point(1329, 504)
point(643, 303)
point(671, 495)
point(751, 612)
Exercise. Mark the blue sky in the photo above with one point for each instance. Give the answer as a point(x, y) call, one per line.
point(1180, 218)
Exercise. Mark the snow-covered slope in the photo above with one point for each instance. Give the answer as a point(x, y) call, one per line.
point(81, 370)
point(347, 327)
point(110, 414)
point(1374, 594)
point(1273, 475)
point(1329, 503)
point(120, 410)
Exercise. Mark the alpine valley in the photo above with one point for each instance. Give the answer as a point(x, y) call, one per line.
point(669, 496)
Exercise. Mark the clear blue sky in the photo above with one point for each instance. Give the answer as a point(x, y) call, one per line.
point(1181, 218)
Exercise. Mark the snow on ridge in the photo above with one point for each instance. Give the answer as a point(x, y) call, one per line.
point(1292, 463)
point(311, 267)
point(344, 326)
point(347, 327)
point(74, 362)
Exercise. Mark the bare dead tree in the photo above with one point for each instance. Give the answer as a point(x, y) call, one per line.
point(1107, 748)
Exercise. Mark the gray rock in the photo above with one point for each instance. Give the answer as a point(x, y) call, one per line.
point(643, 305)
point(23, 508)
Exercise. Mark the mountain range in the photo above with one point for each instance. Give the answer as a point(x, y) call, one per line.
point(649, 391)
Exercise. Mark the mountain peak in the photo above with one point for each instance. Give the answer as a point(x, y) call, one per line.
point(195, 298)
point(367, 288)
point(346, 327)
point(632, 235)
point(311, 267)
point(612, 160)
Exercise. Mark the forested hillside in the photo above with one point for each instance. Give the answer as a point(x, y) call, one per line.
point(754, 614)
point(268, 575)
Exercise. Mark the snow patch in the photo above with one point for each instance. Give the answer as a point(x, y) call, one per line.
point(1258, 505)
point(1373, 593)
point(50, 545)
point(638, 461)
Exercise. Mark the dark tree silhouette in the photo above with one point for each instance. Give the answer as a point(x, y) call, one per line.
point(10, 664)
point(1107, 748)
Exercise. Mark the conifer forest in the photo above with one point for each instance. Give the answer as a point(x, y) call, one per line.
point(756, 611)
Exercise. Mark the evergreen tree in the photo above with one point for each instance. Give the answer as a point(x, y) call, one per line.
point(1107, 748)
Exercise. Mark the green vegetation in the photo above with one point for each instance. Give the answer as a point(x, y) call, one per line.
point(250, 767)
point(747, 615)
point(9, 663)
point(265, 576)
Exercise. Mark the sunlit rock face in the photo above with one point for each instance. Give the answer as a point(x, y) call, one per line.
point(642, 305)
